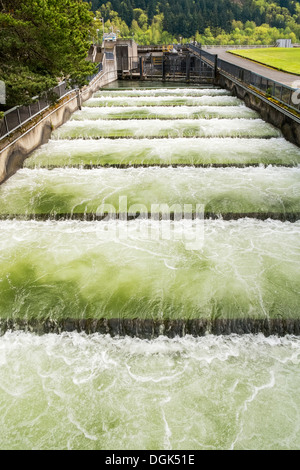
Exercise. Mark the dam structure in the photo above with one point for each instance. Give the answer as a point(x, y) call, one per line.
point(150, 278)
point(125, 183)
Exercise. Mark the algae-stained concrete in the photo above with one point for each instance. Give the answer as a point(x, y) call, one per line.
point(288, 125)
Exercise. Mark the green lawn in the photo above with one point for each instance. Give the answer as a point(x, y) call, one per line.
point(287, 60)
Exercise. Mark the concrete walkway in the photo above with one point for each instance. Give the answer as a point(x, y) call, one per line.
point(281, 77)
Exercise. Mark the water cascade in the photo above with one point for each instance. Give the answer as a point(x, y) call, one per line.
point(153, 245)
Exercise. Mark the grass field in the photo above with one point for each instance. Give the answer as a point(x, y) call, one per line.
point(287, 60)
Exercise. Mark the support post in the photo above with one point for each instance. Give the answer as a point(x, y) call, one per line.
point(188, 67)
point(216, 66)
point(200, 63)
point(141, 68)
point(6, 125)
point(19, 117)
point(164, 68)
point(78, 96)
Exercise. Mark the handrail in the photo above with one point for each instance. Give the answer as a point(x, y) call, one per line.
point(284, 94)
point(241, 46)
point(19, 115)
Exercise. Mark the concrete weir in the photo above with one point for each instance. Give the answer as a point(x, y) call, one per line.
point(175, 331)
point(156, 209)
point(151, 329)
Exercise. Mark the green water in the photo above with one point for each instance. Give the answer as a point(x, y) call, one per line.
point(224, 151)
point(72, 391)
point(125, 101)
point(145, 269)
point(221, 190)
point(167, 129)
point(164, 112)
point(154, 92)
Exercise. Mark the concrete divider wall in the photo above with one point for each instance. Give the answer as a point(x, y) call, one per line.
point(21, 143)
point(289, 126)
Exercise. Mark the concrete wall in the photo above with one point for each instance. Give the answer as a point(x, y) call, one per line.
point(289, 127)
point(20, 144)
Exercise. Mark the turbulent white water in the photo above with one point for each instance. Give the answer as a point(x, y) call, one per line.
point(163, 92)
point(219, 100)
point(168, 128)
point(164, 112)
point(192, 151)
point(220, 190)
point(149, 269)
point(77, 392)
point(73, 391)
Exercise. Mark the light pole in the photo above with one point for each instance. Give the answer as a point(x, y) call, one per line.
point(102, 19)
point(103, 42)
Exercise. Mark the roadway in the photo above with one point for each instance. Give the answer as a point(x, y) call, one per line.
point(281, 77)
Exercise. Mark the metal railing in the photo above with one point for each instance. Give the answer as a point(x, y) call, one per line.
point(236, 46)
point(283, 93)
point(241, 46)
point(211, 59)
point(286, 95)
point(16, 117)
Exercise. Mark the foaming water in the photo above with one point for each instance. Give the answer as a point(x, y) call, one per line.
point(221, 190)
point(165, 152)
point(122, 85)
point(219, 100)
point(143, 269)
point(162, 92)
point(168, 128)
point(74, 391)
point(165, 112)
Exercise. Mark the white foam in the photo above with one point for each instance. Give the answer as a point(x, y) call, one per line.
point(213, 377)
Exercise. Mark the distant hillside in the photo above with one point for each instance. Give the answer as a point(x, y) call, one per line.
point(185, 17)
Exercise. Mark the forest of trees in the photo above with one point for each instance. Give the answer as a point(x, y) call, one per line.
point(42, 43)
point(207, 21)
point(45, 41)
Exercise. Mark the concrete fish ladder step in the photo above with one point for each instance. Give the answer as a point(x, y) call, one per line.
point(250, 128)
point(92, 217)
point(219, 270)
point(162, 152)
point(165, 113)
point(154, 92)
point(150, 329)
point(91, 194)
point(173, 101)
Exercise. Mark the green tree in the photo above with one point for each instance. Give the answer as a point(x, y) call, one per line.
point(41, 43)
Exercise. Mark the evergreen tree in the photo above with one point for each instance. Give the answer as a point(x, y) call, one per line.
point(41, 43)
